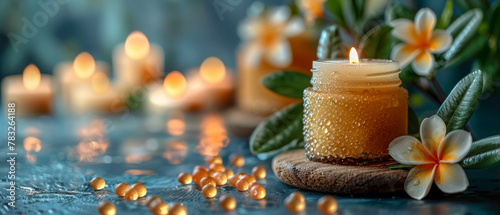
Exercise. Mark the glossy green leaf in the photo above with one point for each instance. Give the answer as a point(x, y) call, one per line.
point(407, 75)
point(462, 101)
point(483, 153)
point(398, 11)
point(413, 122)
point(287, 83)
point(281, 131)
point(377, 43)
point(466, 5)
point(329, 46)
point(447, 14)
point(470, 50)
point(335, 8)
point(493, 19)
point(462, 30)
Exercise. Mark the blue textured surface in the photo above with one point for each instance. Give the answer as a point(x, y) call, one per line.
point(56, 182)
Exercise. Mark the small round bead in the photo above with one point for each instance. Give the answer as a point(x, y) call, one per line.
point(242, 185)
point(233, 179)
point(295, 202)
point(252, 184)
point(215, 159)
point(141, 189)
point(227, 202)
point(151, 200)
point(216, 167)
point(220, 178)
point(184, 178)
point(207, 180)
point(106, 208)
point(177, 209)
point(211, 173)
point(248, 178)
point(97, 183)
point(121, 188)
point(198, 175)
point(259, 172)
point(228, 172)
point(209, 191)
point(237, 160)
point(131, 194)
point(159, 207)
point(327, 204)
point(200, 167)
point(257, 192)
point(241, 174)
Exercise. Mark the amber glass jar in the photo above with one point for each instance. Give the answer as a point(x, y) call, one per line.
point(353, 111)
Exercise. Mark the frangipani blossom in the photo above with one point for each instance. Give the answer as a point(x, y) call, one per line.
point(266, 36)
point(419, 41)
point(436, 158)
point(313, 9)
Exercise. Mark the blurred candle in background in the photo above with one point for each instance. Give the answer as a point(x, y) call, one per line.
point(171, 95)
point(31, 92)
point(100, 98)
point(137, 63)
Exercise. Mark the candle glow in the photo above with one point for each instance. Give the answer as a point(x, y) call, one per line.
point(31, 77)
point(100, 83)
point(353, 56)
point(84, 65)
point(212, 70)
point(174, 84)
point(137, 45)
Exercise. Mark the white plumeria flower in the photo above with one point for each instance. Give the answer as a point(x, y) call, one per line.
point(436, 158)
point(419, 41)
point(313, 9)
point(266, 36)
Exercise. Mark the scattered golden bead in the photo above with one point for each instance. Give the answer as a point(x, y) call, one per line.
point(252, 184)
point(216, 167)
point(200, 167)
point(131, 194)
point(141, 189)
point(207, 180)
point(259, 172)
point(257, 192)
point(248, 178)
point(327, 204)
point(233, 179)
point(159, 207)
point(211, 173)
point(97, 183)
point(227, 203)
point(184, 178)
point(106, 208)
point(295, 202)
point(242, 185)
point(228, 172)
point(237, 160)
point(215, 159)
point(151, 200)
point(198, 175)
point(220, 178)
point(209, 191)
point(177, 209)
point(121, 188)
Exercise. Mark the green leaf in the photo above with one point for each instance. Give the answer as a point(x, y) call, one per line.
point(407, 75)
point(281, 131)
point(329, 43)
point(287, 83)
point(483, 153)
point(466, 5)
point(490, 70)
point(462, 101)
point(335, 7)
point(413, 123)
point(398, 11)
point(462, 30)
point(400, 166)
point(470, 50)
point(447, 14)
point(493, 19)
point(377, 43)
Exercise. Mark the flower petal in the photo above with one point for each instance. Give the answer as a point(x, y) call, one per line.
point(423, 63)
point(409, 150)
point(295, 26)
point(404, 29)
point(425, 20)
point(432, 131)
point(440, 41)
point(451, 178)
point(279, 15)
point(404, 54)
point(455, 146)
point(419, 180)
point(254, 53)
point(279, 54)
point(248, 28)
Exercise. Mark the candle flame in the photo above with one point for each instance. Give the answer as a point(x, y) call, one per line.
point(84, 65)
point(174, 84)
point(212, 70)
point(353, 56)
point(137, 45)
point(100, 83)
point(31, 77)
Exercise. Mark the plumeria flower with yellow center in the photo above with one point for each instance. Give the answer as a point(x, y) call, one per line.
point(436, 158)
point(266, 36)
point(313, 9)
point(420, 41)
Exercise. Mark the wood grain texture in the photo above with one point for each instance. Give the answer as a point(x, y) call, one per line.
point(293, 168)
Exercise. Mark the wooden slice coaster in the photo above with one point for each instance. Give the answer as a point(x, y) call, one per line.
point(293, 168)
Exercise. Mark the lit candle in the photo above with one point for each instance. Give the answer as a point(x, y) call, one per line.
point(99, 98)
point(354, 110)
point(161, 99)
point(31, 92)
point(137, 62)
point(77, 74)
